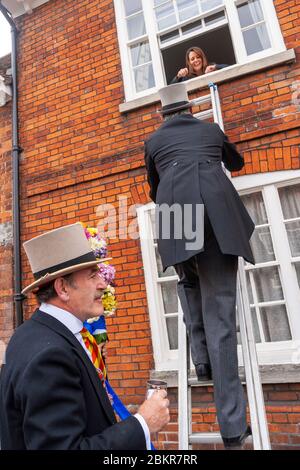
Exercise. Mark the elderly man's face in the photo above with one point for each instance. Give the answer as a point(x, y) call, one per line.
point(85, 290)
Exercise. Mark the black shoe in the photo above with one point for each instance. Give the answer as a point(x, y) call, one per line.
point(203, 372)
point(236, 443)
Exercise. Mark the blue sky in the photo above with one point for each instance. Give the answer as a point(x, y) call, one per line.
point(5, 41)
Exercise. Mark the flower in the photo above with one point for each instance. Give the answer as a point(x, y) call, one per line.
point(98, 243)
point(107, 271)
point(109, 301)
point(97, 325)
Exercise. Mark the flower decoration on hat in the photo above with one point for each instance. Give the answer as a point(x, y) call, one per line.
point(98, 244)
point(97, 325)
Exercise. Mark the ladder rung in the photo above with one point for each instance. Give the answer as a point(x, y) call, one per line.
point(205, 438)
point(210, 438)
point(204, 114)
point(202, 99)
point(193, 382)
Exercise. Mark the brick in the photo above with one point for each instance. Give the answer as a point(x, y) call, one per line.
point(280, 418)
point(283, 396)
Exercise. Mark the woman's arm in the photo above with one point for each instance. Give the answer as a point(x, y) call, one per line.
point(214, 67)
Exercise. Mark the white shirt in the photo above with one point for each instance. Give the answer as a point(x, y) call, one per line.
point(75, 326)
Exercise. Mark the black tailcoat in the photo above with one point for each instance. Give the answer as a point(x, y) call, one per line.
point(183, 159)
point(51, 396)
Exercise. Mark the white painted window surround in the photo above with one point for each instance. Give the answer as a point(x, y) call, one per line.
point(274, 286)
point(253, 26)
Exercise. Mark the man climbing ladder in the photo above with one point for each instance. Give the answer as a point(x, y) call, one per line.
point(259, 425)
point(183, 159)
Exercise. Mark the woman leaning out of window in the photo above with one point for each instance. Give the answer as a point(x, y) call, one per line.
point(196, 65)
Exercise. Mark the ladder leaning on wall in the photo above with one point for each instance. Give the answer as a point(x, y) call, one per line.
point(260, 434)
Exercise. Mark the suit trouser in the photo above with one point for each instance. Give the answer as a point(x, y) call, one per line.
point(207, 292)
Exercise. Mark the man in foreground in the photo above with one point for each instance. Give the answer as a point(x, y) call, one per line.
point(51, 394)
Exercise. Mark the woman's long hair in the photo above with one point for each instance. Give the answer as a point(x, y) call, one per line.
point(200, 52)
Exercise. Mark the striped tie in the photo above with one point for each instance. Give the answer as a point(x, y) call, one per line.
point(92, 346)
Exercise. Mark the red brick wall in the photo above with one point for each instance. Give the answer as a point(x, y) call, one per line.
point(6, 260)
point(282, 408)
point(80, 152)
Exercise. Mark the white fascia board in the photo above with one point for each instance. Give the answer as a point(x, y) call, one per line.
point(20, 7)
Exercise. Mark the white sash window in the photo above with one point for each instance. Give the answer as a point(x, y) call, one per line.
point(273, 201)
point(155, 34)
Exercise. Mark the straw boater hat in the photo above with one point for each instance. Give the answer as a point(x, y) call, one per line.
point(174, 98)
point(57, 253)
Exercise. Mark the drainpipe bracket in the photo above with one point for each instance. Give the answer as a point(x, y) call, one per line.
point(19, 297)
point(17, 148)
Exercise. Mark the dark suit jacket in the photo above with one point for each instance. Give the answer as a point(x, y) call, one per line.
point(183, 159)
point(51, 396)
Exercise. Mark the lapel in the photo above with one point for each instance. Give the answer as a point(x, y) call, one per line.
point(62, 330)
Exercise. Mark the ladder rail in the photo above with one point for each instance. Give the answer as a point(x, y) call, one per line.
point(216, 106)
point(183, 398)
point(248, 372)
point(251, 362)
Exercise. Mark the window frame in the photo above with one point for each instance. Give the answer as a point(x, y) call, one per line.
point(271, 21)
point(279, 352)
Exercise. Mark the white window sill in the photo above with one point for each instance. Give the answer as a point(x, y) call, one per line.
point(270, 374)
point(229, 73)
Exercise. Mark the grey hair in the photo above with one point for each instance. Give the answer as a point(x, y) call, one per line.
point(48, 292)
point(167, 117)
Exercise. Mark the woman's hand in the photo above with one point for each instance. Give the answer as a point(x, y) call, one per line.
point(211, 68)
point(182, 73)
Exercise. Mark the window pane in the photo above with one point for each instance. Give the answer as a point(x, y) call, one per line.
point(144, 78)
point(250, 13)
point(195, 26)
point(165, 15)
point(181, 4)
point(256, 39)
point(207, 5)
point(152, 220)
point(172, 328)
point(136, 26)
point(275, 323)
point(169, 36)
point(262, 246)
point(249, 288)
point(268, 284)
point(132, 6)
point(188, 13)
point(290, 201)
point(293, 233)
point(214, 18)
point(255, 326)
point(256, 208)
point(168, 272)
point(166, 22)
point(297, 267)
point(169, 295)
point(187, 9)
point(140, 54)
